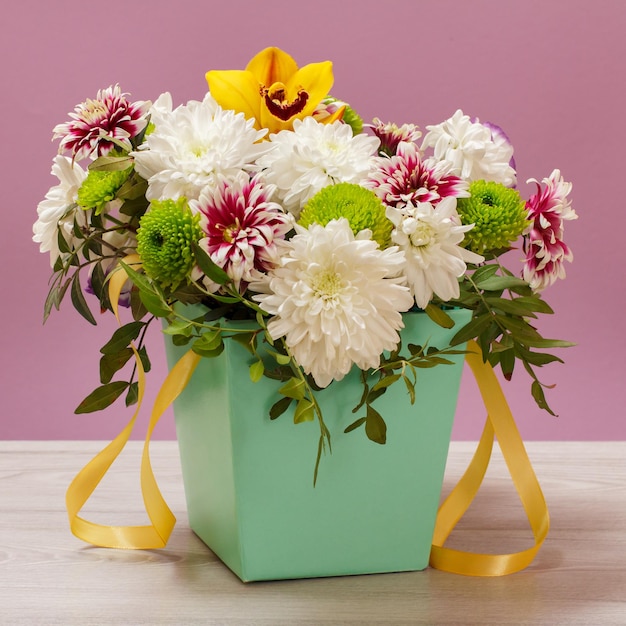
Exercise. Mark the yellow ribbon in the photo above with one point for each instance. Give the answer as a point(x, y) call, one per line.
point(162, 520)
point(500, 423)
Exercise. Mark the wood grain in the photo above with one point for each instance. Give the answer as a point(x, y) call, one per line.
point(47, 576)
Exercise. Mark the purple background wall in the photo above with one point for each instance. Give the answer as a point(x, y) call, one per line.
point(550, 72)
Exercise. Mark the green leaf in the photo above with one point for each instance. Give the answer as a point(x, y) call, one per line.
point(208, 267)
point(375, 427)
point(472, 329)
point(547, 343)
point(281, 359)
point(111, 164)
point(102, 397)
point(247, 340)
point(410, 387)
point(256, 371)
point(98, 280)
point(145, 360)
point(140, 280)
point(439, 316)
point(155, 303)
point(112, 363)
point(507, 363)
point(208, 353)
point(137, 308)
point(355, 424)
point(62, 243)
point(133, 189)
point(293, 388)
point(483, 273)
point(209, 340)
point(79, 302)
point(209, 344)
point(510, 306)
point(519, 328)
point(415, 350)
point(122, 337)
point(535, 358)
point(540, 398)
point(278, 408)
point(535, 303)
point(133, 394)
point(386, 381)
point(305, 411)
point(499, 283)
point(179, 327)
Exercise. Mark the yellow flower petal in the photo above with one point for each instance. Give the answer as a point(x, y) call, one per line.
point(272, 65)
point(237, 90)
point(316, 79)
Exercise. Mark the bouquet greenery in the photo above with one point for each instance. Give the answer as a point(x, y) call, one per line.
point(270, 200)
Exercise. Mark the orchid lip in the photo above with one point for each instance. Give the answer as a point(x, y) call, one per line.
point(275, 101)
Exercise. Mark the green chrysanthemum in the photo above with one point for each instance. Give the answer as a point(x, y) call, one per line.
point(497, 212)
point(100, 187)
point(360, 206)
point(164, 240)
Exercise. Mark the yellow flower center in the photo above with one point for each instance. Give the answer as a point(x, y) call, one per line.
point(279, 105)
point(230, 232)
point(327, 284)
point(93, 111)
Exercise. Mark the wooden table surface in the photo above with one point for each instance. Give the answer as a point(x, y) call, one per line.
point(47, 576)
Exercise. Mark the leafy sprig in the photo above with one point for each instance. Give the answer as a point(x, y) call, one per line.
point(503, 307)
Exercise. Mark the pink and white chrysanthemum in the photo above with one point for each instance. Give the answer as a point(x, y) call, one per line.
point(406, 178)
point(546, 251)
point(96, 123)
point(391, 135)
point(430, 238)
point(336, 298)
point(242, 226)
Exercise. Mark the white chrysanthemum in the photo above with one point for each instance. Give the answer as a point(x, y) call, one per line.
point(429, 238)
point(313, 156)
point(474, 150)
point(58, 211)
point(336, 299)
point(193, 145)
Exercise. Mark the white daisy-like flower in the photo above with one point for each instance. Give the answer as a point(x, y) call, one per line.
point(475, 151)
point(193, 145)
point(429, 237)
point(313, 156)
point(59, 209)
point(337, 299)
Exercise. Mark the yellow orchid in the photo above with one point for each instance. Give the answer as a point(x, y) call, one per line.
point(272, 89)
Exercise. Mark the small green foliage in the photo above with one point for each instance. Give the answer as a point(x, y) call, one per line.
point(503, 308)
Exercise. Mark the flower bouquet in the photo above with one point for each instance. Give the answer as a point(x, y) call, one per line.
point(268, 229)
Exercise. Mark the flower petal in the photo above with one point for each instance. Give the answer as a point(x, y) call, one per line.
point(316, 79)
point(272, 65)
point(237, 90)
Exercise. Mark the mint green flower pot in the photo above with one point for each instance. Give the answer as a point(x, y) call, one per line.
point(249, 480)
